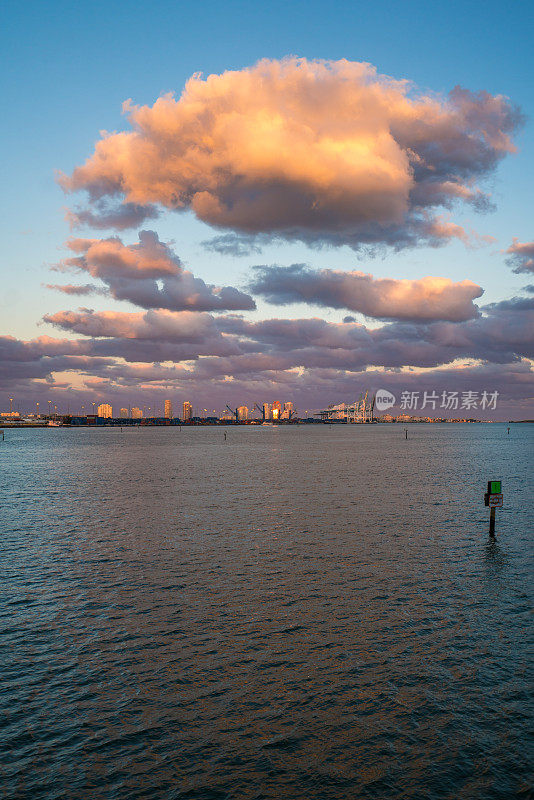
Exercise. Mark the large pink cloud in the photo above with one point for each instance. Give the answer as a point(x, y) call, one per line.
point(324, 151)
point(388, 298)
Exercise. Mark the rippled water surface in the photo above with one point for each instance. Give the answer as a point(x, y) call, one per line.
point(298, 612)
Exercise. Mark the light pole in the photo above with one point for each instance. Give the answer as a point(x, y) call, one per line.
point(37, 408)
point(10, 406)
point(49, 409)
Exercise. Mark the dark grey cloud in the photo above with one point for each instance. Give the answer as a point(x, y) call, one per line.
point(232, 244)
point(103, 215)
point(182, 292)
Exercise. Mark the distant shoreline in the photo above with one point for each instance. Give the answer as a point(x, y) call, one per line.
point(229, 424)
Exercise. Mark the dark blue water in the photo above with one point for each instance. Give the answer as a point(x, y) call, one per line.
point(303, 612)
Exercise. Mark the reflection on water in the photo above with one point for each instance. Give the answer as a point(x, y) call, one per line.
point(304, 613)
point(496, 559)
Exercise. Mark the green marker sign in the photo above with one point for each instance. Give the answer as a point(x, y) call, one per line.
point(494, 487)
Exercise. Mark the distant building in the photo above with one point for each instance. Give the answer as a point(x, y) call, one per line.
point(187, 412)
point(277, 409)
point(123, 413)
point(136, 413)
point(288, 411)
point(267, 412)
point(242, 413)
point(105, 411)
point(168, 409)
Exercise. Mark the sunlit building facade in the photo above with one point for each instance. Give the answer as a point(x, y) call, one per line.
point(136, 413)
point(187, 411)
point(168, 409)
point(105, 411)
point(123, 413)
point(287, 413)
point(242, 413)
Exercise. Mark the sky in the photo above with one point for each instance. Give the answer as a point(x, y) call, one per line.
point(242, 202)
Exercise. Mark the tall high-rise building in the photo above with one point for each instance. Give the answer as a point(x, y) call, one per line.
point(136, 413)
point(288, 410)
point(188, 411)
point(277, 409)
point(267, 412)
point(105, 411)
point(168, 409)
point(242, 413)
point(123, 414)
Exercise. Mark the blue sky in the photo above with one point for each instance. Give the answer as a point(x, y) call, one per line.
point(67, 68)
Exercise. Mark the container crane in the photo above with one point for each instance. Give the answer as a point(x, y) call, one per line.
point(260, 409)
point(232, 411)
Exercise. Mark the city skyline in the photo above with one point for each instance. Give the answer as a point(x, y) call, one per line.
point(327, 214)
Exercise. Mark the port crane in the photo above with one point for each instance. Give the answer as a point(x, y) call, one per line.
point(260, 409)
point(233, 411)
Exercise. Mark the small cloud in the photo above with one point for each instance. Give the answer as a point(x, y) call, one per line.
point(521, 256)
point(120, 217)
point(232, 244)
point(73, 289)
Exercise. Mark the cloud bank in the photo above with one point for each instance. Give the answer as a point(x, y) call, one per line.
point(385, 298)
point(503, 333)
point(309, 360)
point(327, 152)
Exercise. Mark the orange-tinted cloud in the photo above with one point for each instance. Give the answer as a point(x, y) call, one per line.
point(149, 275)
point(184, 326)
point(386, 298)
point(110, 258)
point(327, 152)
